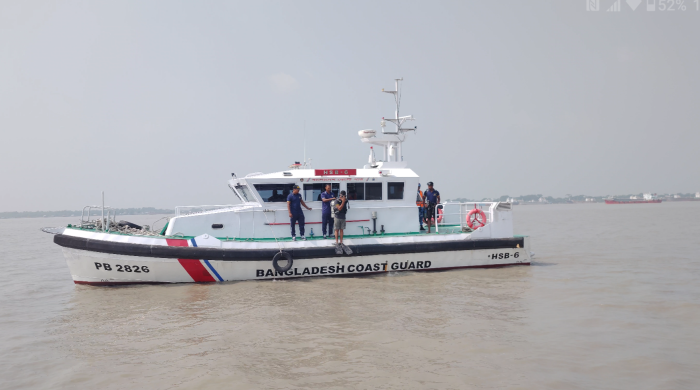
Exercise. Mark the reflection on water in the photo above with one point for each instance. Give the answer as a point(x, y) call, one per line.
point(610, 302)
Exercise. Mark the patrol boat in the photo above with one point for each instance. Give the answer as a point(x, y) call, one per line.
point(250, 238)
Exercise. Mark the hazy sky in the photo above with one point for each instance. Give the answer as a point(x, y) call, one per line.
point(157, 102)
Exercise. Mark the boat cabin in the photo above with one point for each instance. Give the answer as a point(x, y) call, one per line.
point(381, 197)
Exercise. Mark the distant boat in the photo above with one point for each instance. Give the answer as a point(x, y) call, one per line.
point(647, 198)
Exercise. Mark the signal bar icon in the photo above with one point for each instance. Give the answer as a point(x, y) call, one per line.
point(615, 7)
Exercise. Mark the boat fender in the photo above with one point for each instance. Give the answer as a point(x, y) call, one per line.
point(278, 256)
point(476, 219)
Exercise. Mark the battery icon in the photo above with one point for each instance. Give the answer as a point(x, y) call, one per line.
point(651, 5)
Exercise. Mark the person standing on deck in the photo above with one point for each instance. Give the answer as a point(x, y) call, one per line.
point(421, 207)
point(294, 203)
point(340, 212)
point(433, 197)
point(326, 215)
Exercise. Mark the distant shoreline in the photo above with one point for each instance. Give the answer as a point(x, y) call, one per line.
point(574, 199)
point(522, 200)
point(74, 213)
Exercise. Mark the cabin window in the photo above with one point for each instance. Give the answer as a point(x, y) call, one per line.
point(356, 191)
point(395, 190)
point(274, 193)
point(245, 193)
point(373, 191)
point(364, 191)
point(312, 192)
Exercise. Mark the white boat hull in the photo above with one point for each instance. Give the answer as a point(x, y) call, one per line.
point(96, 268)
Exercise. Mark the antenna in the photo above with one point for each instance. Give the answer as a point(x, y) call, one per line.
point(394, 138)
point(304, 141)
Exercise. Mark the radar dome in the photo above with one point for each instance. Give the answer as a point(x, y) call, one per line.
point(367, 133)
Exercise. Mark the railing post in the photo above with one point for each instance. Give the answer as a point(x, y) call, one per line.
point(103, 211)
point(435, 215)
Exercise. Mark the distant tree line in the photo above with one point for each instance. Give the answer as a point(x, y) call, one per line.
point(539, 198)
point(69, 213)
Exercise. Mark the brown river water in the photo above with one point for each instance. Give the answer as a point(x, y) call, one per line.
point(612, 301)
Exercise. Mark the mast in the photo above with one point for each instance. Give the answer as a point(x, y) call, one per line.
point(392, 140)
point(398, 121)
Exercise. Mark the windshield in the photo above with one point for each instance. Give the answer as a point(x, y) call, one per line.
point(245, 193)
point(274, 192)
point(238, 197)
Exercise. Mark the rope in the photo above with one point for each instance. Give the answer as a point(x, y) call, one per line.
point(273, 231)
point(114, 227)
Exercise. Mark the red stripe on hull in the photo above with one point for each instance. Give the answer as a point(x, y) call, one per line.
point(172, 242)
point(316, 223)
point(194, 267)
point(196, 270)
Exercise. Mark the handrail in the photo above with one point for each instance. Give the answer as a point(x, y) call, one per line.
point(105, 221)
point(353, 208)
point(212, 206)
point(253, 207)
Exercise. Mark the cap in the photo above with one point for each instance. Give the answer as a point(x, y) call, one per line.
point(418, 184)
point(430, 183)
point(296, 187)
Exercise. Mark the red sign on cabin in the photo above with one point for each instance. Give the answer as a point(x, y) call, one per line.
point(335, 172)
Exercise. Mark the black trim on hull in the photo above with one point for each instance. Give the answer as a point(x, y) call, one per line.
point(119, 283)
point(180, 252)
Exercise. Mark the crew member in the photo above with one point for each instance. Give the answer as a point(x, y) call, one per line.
point(421, 207)
point(433, 197)
point(326, 215)
point(341, 210)
point(294, 203)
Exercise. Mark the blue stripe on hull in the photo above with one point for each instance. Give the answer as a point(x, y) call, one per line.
point(211, 267)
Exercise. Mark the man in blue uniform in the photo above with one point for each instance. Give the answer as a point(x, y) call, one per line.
point(433, 199)
point(294, 203)
point(326, 215)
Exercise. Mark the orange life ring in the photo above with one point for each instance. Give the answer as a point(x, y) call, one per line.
point(439, 211)
point(476, 219)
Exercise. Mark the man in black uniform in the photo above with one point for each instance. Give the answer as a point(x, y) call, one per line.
point(432, 196)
